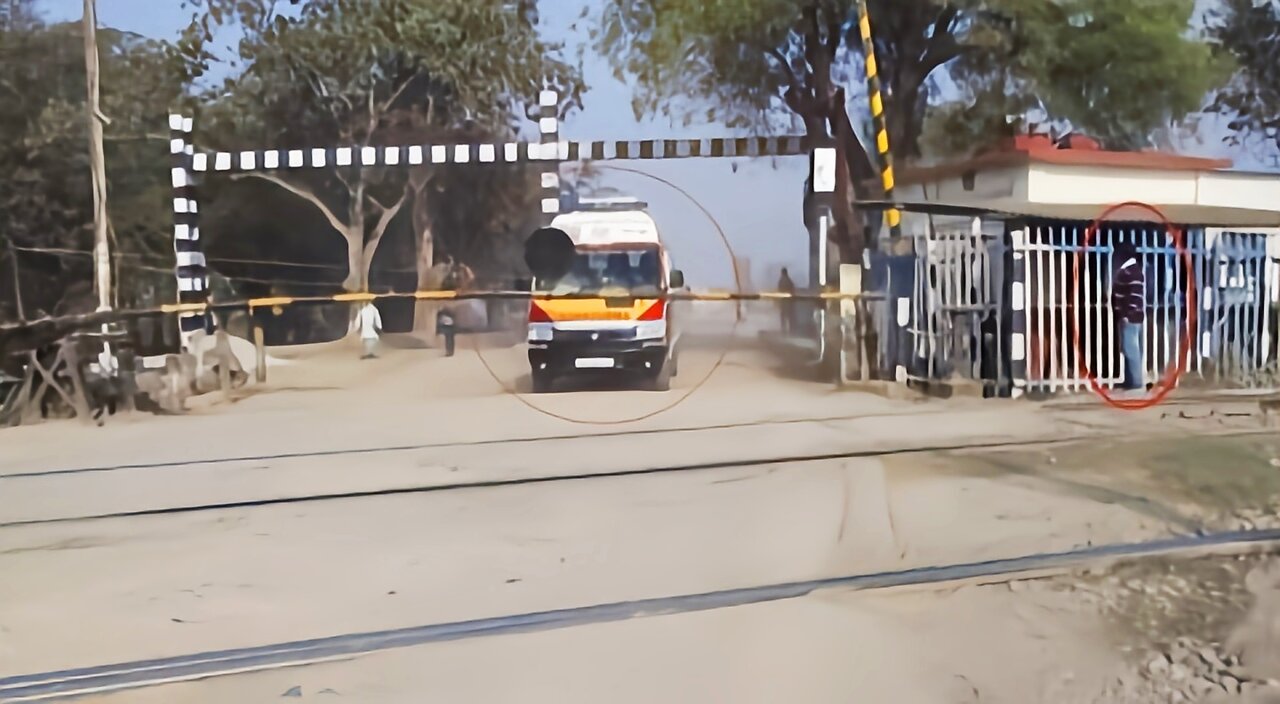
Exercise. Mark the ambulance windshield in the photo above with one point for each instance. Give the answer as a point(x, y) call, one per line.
point(614, 272)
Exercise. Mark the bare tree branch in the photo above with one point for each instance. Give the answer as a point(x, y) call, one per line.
point(943, 45)
point(386, 106)
point(373, 116)
point(834, 20)
point(384, 220)
point(303, 193)
point(792, 80)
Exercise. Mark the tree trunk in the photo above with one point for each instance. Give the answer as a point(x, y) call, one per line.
point(424, 312)
point(904, 118)
point(356, 276)
point(849, 231)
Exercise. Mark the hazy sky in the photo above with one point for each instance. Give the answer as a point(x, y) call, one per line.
point(758, 204)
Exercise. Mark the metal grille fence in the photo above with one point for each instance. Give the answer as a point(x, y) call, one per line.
point(1236, 289)
point(955, 321)
point(945, 313)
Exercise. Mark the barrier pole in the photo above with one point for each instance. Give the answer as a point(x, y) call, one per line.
point(892, 216)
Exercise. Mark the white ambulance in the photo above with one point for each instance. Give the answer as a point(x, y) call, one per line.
point(615, 315)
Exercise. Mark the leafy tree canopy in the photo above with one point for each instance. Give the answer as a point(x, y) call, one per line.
point(1112, 68)
point(373, 72)
point(1248, 31)
point(45, 194)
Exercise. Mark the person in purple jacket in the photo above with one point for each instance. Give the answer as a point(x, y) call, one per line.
point(1128, 300)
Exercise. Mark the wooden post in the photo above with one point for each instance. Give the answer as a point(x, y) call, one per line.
point(79, 399)
point(222, 357)
point(97, 160)
point(260, 349)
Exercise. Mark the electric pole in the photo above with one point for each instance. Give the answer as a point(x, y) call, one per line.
point(97, 161)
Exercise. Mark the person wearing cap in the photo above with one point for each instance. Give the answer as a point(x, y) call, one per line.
point(1128, 301)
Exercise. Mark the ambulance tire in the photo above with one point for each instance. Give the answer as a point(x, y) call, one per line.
point(662, 380)
point(673, 364)
point(541, 382)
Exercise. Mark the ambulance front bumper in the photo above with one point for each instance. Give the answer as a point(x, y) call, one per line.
point(581, 350)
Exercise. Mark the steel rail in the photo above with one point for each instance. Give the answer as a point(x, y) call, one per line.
point(106, 678)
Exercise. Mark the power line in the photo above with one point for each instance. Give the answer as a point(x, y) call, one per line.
point(161, 267)
point(217, 260)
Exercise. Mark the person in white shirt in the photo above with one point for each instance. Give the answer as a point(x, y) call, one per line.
point(370, 325)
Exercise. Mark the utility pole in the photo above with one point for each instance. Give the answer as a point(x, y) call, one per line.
point(97, 161)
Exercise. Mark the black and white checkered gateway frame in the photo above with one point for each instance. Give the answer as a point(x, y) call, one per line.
point(189, 262)
point(189, 163)
point(501, 152)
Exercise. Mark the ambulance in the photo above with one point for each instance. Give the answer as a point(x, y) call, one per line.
point(609, 313)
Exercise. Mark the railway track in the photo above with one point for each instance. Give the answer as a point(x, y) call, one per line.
point(456, 444)
point(1070, 407)
point(130, 675)
point(793, 461)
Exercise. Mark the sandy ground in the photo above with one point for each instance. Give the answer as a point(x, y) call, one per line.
point(246, 577)
point(85, 592)
point(826, 648)
point(1067, 639)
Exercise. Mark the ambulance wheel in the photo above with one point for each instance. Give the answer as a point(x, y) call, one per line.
point(673, 364)
point(662, 380)
point(541, 381)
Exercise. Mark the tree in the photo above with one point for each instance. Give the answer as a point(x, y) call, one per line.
point(372, 73)
point(16, 15)
point(1115, 68)
point(1248, 31)
point(45, 195)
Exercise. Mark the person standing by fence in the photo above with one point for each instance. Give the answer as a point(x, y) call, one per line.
point(370, 325)
point(786, 307)
point(1128, 300)
point(446, 327)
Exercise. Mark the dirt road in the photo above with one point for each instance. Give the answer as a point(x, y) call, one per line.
point(756, 479)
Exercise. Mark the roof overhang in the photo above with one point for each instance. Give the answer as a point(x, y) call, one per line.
point(1069, 185)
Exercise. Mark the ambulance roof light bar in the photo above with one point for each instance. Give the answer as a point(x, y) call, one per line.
point(613, 203)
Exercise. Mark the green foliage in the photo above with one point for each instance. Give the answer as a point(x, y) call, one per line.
point(1248, 32)
point(335, 62)
point(721, 51)
point(45, 195)
point(374, 72)
point(1113, 68)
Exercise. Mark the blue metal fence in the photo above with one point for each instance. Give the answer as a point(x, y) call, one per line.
point(1000, 302)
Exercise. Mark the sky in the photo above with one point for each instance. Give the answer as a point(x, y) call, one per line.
point(756, 202)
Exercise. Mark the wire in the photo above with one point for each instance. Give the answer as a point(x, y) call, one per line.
point(168, 268)
point(62, 251)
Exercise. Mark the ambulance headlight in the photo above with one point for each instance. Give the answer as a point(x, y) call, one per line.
point(651, 330)
point(540, 332)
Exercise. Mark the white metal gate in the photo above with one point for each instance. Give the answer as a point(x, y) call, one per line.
point(1069, 325)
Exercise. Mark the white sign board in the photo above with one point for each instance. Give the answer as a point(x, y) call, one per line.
point(824, 170)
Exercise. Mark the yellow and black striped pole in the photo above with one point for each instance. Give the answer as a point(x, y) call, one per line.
point(892, 216)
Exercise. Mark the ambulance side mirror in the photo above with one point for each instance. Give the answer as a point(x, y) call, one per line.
point(677, 279)
point(548, 253)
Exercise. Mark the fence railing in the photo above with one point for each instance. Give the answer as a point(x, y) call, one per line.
point(1230, 278)
point(944, 315)
point(955, 321)
point(1026, 307)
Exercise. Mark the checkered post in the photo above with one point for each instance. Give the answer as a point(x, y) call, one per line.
point(1018, 307)
point(499, 152)
point(549, 146)
point(189, 262)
